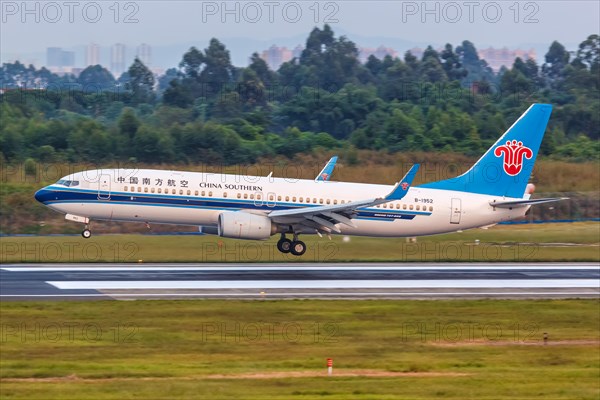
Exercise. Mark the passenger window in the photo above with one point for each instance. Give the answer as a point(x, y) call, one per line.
point(125, 188)
point(278, 198)
point(195, 193)
point(430, 208)
point(343, 202)
point(397, 206)
point(245, 195)
point(159, 190)
point(209, 194)
point(328, 201)
point(301, 199)
point(224, 194)
point(294, 199)
point(145, 190)
point(404, 206)
point(203, 193)
point(271, 197)
point(258, 197)
point(251, 197)
point(180, 191)
point(139, 189)
point(287, 198)
point(334, 201)
point(173, 191)
point(189, 192)
point(410, 207)
point(418, 207)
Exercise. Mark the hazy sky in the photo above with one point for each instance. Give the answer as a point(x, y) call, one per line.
point(28, 28)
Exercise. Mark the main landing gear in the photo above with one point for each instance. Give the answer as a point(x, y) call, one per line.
point(296, 247)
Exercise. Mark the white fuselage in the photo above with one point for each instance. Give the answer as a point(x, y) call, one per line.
point(192, 198)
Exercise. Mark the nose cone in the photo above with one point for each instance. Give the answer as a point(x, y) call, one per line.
point(42, 195)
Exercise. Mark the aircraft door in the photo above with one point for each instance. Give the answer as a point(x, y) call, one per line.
point(104, 187)
point(455, 211)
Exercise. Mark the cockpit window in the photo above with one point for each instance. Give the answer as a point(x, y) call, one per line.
point(67, 183)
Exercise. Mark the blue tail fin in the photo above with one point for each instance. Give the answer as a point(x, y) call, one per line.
point(504, 170)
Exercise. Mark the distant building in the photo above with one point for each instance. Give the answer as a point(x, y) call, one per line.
point(144, 54)
point(365, 52)
point(59, 60)
point(92, 54)
point(496, 58)
point(275, 56)
point(117, 59)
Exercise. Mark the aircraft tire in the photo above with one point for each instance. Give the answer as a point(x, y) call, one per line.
point(298, 248)
point(284, 245)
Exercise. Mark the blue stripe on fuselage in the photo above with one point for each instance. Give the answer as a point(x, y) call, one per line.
point(58, 195)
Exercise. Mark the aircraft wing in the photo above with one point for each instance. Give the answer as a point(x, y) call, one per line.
point(325, 218)
point(525, 202)
point(326, 172)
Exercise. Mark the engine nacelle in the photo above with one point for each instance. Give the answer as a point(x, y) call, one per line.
point(240, 225)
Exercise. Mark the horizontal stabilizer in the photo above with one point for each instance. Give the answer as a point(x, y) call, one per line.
point(523, 203)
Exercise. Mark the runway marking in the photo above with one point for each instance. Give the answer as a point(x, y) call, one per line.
point(309, 294)
point(331, 284)
point(303, 267)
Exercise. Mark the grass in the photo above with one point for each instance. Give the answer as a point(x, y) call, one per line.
point(172, 349)
point(520, 243)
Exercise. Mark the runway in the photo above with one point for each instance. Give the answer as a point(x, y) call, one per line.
point(291, 280)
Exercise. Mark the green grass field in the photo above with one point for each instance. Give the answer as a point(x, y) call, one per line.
point(261, 349)
point(519, 243)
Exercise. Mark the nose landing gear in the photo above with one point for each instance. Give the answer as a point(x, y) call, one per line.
point(86, 233)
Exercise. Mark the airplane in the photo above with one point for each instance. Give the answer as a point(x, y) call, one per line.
point(493, 190)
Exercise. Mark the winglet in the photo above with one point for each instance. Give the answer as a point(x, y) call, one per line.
point(326, 172)
point(401, 188)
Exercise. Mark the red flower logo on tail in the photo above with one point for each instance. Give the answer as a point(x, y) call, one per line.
point(404, 185)
point(513, 156)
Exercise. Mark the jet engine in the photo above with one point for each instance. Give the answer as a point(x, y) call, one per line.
point(241, 225)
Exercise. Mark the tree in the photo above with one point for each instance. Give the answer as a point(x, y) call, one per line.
point(192, 63)
point(261, 69)
point(218, 71)
point(557, 59)
point(95, 78)
point(141, 82)
point(451, 63)
point(128, 123)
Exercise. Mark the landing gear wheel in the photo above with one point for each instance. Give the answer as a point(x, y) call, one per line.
point(298, 248)
point(284, 245)
point(86, 233)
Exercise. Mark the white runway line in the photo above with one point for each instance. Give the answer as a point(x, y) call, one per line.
point(302, 267)
point(331, 284)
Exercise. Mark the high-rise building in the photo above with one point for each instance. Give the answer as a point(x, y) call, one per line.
point(54, 57)
point(496, 58)
point(275, 56)
point(117, 59)
point(365, 52)
point(59, 60)
point(144, 54)
point(92, 54)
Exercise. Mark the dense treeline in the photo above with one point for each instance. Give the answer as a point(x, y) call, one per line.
point(206, 110)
